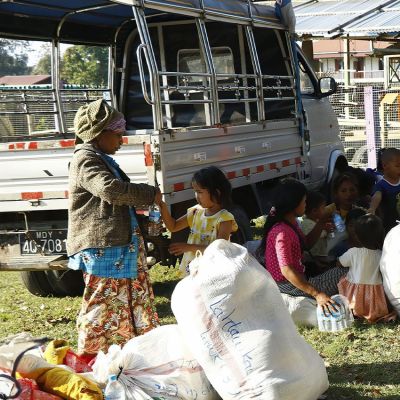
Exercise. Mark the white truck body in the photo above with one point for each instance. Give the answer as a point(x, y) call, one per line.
point(227, 112)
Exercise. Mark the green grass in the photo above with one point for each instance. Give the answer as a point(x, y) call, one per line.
point(362, 362)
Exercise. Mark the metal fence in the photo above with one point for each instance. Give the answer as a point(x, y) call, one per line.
point(33, 111)
point(361, 132)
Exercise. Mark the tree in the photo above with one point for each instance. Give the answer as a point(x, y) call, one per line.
point(43, 66)
point(13, 58)
point(85, 65)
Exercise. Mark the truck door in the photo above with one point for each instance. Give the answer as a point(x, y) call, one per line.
point(321, 126)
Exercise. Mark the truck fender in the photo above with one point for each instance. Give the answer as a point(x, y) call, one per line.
point(337, 162)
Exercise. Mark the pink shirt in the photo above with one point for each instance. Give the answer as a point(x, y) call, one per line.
point(283, 248)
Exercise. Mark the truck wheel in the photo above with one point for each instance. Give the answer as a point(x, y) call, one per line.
point(244, 233)
point(37, 283)
point(157, 247)
point(66, 282)
point(340, 167)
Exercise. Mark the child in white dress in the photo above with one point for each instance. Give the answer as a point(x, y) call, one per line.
point(363, 283)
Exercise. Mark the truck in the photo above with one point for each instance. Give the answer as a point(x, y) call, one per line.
point(201, 82)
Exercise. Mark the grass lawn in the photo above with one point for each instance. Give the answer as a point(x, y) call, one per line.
point(362, 362)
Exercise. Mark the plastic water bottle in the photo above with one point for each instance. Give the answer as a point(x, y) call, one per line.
point(114, 390)
point(339, 223)
point(154, 226)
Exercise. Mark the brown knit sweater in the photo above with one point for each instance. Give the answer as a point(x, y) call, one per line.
point(98, 214)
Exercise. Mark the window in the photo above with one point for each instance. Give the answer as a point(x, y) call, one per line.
point(226, 39)
point(191, 60)
point(182, 54)
point(306, 83)
point(278, 81)
point(138, 113)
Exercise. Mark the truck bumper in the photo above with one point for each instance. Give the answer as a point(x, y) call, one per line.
point(34, 263)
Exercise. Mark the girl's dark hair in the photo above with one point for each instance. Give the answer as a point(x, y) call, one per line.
point(215, 181)
point(388, 154)
point(345, 177)
point(287, 195)
point(370, 232)
point(365, 182)
point(314, 200)
point(354, 214)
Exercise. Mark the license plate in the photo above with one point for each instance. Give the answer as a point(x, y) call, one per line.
point(43, 242)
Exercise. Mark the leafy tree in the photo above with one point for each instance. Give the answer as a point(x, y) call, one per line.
point(43, 66)
point(85, 65)
point(13, 58)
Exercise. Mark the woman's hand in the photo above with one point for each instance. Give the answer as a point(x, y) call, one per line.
point(326, 303)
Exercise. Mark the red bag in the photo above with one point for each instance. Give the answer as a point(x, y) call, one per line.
point(30, 391)
point(27, 388)
point(77, 363)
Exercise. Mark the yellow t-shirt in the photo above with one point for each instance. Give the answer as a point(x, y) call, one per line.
point(203, 230)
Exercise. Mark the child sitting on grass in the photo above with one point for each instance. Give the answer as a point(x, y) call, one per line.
point(363, 283)
point(316, 209)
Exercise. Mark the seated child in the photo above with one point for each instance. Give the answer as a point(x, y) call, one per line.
point(345, 195)
point(386, 193)
point(315, 209)
point(363, 283)
point(352, 216)
point(365, 184)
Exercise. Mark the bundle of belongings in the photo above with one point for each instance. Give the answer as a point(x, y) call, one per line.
point(234, 339)
point(38, 379)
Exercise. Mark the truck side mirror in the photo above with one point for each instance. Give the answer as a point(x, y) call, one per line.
point(327, 86)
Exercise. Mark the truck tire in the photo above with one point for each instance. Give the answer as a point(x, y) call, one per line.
point(37, 283)
point(66, 282)
point(159, 245)
point(244, 233)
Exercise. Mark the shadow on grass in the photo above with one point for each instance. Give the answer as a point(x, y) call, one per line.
point(163, 292)
point(373, 374)
point(165, 288)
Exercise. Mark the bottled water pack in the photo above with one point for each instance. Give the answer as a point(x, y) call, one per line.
point(337, 320)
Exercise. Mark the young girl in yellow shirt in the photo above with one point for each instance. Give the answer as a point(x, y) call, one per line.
point(208, 220)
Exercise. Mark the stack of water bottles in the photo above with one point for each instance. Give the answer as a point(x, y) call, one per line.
point(337, 320)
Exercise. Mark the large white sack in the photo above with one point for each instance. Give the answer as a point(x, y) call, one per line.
point(390, 267)
point(303, 310)
point(156, 364)
point(232, 316)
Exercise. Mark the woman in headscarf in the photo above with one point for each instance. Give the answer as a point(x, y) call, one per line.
point(104, 239)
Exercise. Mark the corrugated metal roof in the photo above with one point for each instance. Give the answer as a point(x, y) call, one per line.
point(387, 21)
point(369, 18)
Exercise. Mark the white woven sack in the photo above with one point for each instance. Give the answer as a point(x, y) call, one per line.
point(301, 309)
point(390, 267)
point(233, 318)
point(158, 364)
